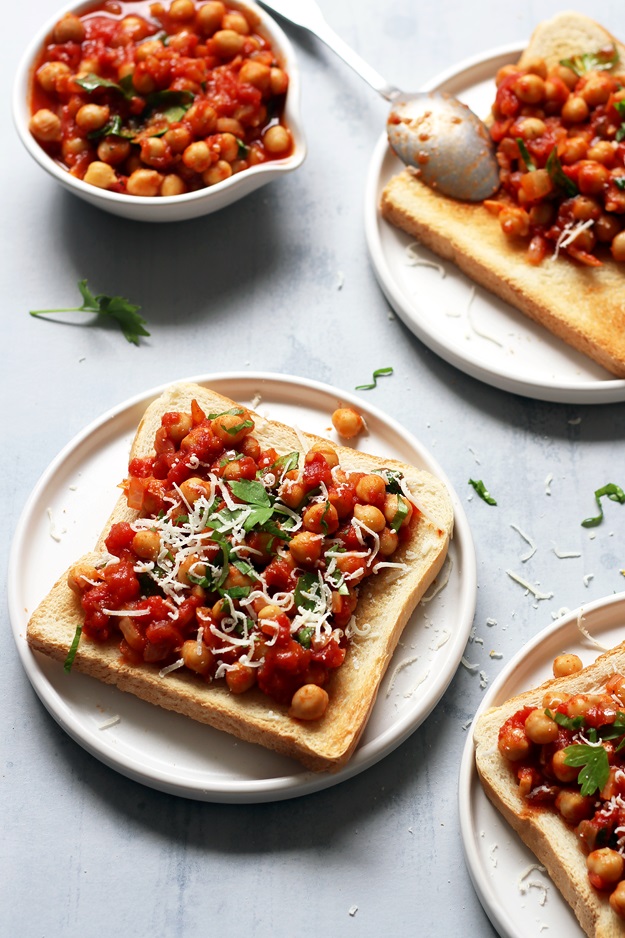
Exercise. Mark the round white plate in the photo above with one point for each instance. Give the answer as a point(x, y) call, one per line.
point(519, 899)
point(63, 519)
point(453, 316)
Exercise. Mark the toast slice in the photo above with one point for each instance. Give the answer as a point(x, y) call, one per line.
point(584, 306)
point(386, 602)
point(554, 843)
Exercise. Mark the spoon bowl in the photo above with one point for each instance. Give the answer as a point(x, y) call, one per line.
point(446, 143)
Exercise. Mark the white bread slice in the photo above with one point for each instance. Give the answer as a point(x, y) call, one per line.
point(386, 603)
point(583, 306)
point(545, 833)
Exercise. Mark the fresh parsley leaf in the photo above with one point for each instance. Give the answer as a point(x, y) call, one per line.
point(117, 308)
point(614, 493)
point(71, 654)
point(482, 491)
point(600, 61)
point(593, 764)
point(558, 176)
point(378, 373)
point(525, 155)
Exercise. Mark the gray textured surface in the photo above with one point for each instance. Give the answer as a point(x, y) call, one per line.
point(86, 852)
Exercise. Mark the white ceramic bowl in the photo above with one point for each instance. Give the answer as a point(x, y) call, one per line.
point(190, 204)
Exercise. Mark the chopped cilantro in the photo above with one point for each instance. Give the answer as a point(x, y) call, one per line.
point(124, 313)
point(614, 493)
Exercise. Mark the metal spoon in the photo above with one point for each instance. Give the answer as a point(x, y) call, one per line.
point(448, 145)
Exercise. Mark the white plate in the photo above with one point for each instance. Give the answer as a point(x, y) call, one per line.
point(453, 316)
point(520, 901)
point(63, 519)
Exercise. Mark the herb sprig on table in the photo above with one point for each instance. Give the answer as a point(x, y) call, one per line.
point(117, 308)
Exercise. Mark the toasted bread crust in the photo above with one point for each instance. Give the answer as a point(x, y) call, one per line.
point(583, 306)
point(386, 603)
point(545, 833)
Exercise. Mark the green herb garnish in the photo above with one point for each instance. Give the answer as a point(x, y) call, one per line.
point(620, 183)
point(600, 61)
point(245, 425)
point(286, 463)
point(378, 373)
point(558, 176)
point(114, 128)
point(236, 592)
point(304, 635)
point(482, 491)
point(109, 307)
point(568, 723)
point(400, 514)
point(593, 764)
point(253, 493)
point(393, 479)
point(307, 583)
point(525, 155)
point(71, 654)
point(620, 133)
point(614, 492)
point(92, 82)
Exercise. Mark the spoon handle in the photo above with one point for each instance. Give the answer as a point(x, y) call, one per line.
point(306, 13)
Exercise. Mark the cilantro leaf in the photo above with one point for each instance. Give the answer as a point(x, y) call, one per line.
point(593, 764)
point(482, 491)
point(600, 61)
point(378, 373)
point(117, 308)
point(558, 176)
point(614, 493)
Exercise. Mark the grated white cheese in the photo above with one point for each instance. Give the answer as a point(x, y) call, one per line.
point(526, 884)
point(413, 260)
point(548, 482)
point(440, 582)
point(478, 332)
point(568, 234)
point(442, 640)
point(587, 578)
point(586, 633)
point(171, 667)
point(527, 586)
point(109, 723)
point(467, 664)
point(402, 664)
point(565, 554)
point(528, 540)
point(55, 532)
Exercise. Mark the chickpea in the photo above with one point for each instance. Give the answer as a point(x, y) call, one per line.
point(240, 677)
point(142, 80)
point(228, 43)
point(151, 47)
point(327, 451)
point(597, 88)
point(347, 422)
point(190, 565)
point(256, 74)
point(80, 574)
point(172, 185)
point(603, 152)
point(536, 67)
point(371, 489)
point(194, 488)
point(605, 864)
point(101, 175)
point(388, 542)
point(279, 81)
point(540, 728)
point(228, 147)
point(178, 138)
point(236, 22)
point(392, 507)
point(618, 247)
point(617, 900)
point(532, 127)
point(132, 29)
point(202, 118)
point(513, 743)
point(309, 702)
point(514, 222)
point(92, 117)
point(154, 151)
point(277, 139)
point(45, 126)
point(370, 516)
point(197, 657)
point(553, 699)
point(321, 518)
point(229, 428)
point(270, 611)
point(69, 29)
point(530, 89)
point(563, 772)
point(592, 177)
point(567, 75)
point(575, 110)
point(305, 548)
point(147, 545)
point(181, 10)
point(578, 705)
point(606, 228)
point(49, 74)
point(228, 125)
point(292, 493)
point(144, 182)
point(505, 72)
point(585, 208)
point(574, 807)
point(564, 665)
point(73, 147)
point(574, 149)
point(113, 150)
point(209, 17)
point(218, 172)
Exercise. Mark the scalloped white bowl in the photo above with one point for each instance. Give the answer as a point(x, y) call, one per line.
point(177, 207)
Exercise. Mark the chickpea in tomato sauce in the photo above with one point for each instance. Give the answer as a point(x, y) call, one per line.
point(567, 758)
point(158, 99)
point(243, 565)
point(560, 138)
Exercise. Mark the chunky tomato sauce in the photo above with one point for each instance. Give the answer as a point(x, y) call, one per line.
point(560, 136)
point(569, 757)
point(243, 565)
point(151, 99)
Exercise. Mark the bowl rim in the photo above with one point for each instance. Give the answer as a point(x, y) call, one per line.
point(278, 39)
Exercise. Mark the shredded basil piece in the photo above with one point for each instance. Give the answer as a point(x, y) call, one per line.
point(71, 654)
point(525, 155)
point(614, 492)
point(245, 425)
point(569, 723)
point(558, 176)
point(482, 491)
point(378, 373)
point(307, 583)
point(400, 514)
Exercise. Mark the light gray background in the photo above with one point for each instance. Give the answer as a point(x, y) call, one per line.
point(85, 852)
